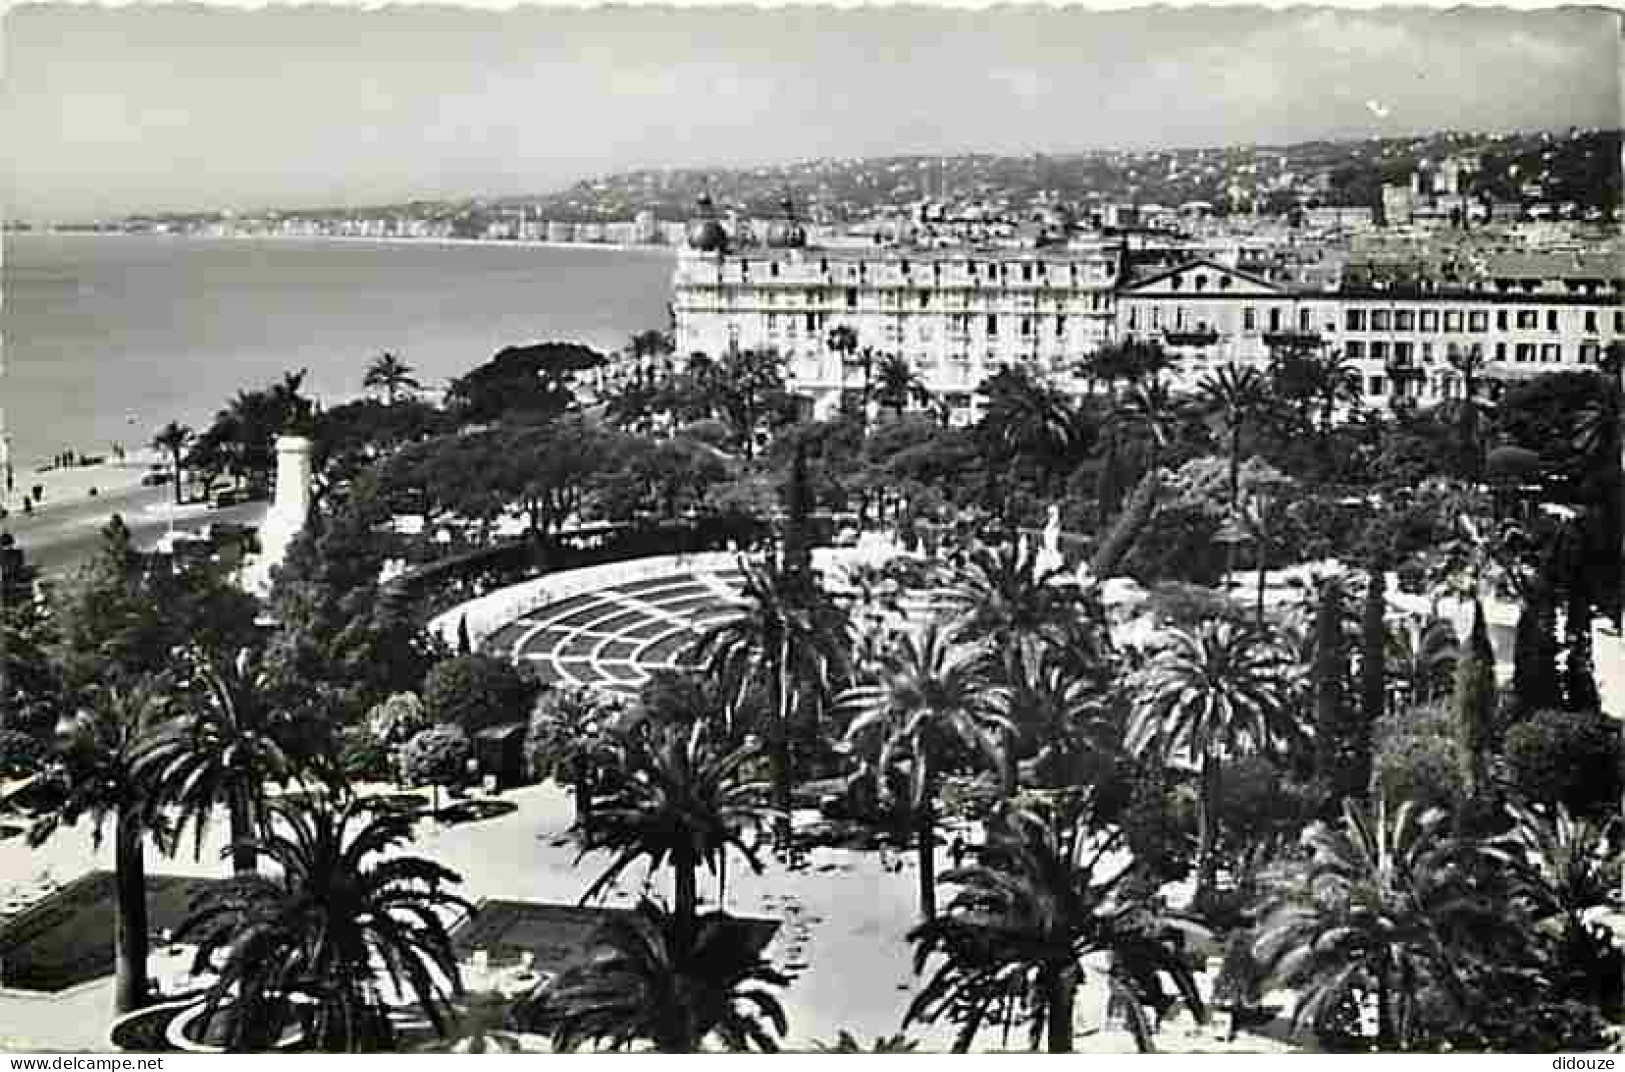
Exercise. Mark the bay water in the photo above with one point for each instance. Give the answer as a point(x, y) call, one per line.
point(108, 337)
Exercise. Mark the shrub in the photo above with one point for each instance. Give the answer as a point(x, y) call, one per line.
point(1258, 807)
point(1157, 826)
point(437, 756)
point(21, 754)
point(1570, 758)
point(670, 696)
point(1178, 544)
point(397, 719)
point(363, 757)
point(478, 691)
point(1418, 759)
point(1188, 605)
point(1240, 981)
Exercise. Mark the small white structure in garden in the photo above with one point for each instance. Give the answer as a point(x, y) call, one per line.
point(290, 507)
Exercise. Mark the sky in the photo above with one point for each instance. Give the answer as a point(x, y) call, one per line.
point(160, 107)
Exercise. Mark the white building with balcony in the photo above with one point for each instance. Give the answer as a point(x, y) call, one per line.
point(956, 315)
point(1522, 315)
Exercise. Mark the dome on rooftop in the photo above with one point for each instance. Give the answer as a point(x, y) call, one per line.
point(707, 236)
point(786, 234)
point(1057, 218)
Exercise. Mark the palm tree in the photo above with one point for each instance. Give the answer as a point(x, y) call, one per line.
point(789, 640)
point(1422, 658)
point(655, 978)
point(1235, 393)
point(1029, 918)
point(568, 741)
point(392, 374)
point(674, 797)
point(897, 384)
point(1211, 693)
point(1060, 708)
point(1559, 868)
point(226, 746)
point(1470, 410)
point(1026, 418)
point(1380, 911)
point(1128, 362)
point(1313, 383)
point(1403, 373)
point(1151, 407)
point(344, 911)
point(843, 340)
point(173, 439)
point(92, 775)
point(846, 1042)
point(931, 696)
point(1002, 597)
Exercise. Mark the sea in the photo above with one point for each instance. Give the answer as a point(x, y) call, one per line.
point(106, 338)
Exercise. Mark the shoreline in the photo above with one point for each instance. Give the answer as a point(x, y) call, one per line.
point(381, 240)
point(71, 485)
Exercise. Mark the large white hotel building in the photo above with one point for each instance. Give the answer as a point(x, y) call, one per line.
point(958, 314)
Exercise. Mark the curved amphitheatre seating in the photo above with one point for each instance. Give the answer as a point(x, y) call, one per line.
point(610, 627)
point(614, 638)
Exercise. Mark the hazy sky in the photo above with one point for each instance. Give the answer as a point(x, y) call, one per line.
point(113, 110)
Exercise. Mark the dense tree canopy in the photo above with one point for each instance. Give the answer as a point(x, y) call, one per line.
point(531, 382)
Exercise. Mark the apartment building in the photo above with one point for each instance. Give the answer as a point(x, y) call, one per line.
point(1523, 315)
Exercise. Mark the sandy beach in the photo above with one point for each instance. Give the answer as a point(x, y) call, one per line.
point(70, 484)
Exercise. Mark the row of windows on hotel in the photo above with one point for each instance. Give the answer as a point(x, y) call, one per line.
point(1096, 300)
point(1249, 319)
point(1449, 320)
point(1474, 320)
point(959, 324)
point(1026, 271)
point(1523, 352)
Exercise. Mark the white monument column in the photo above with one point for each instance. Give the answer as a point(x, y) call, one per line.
point(290, 506)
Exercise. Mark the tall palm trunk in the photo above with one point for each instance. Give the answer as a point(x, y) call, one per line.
point(176, 460)
point(130, 939)
point(240, 819)
point(1207, 802)
point(1386, 1041)
point(1060, 989)
point(781, 746)
point(1235, 464)
point(583, 802)
point(1263, 569)
point(685, 893)
point(1235, 494)
point(1009, 772)
point(926, 845)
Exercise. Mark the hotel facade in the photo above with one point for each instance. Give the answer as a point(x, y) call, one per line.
point(959, 314)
